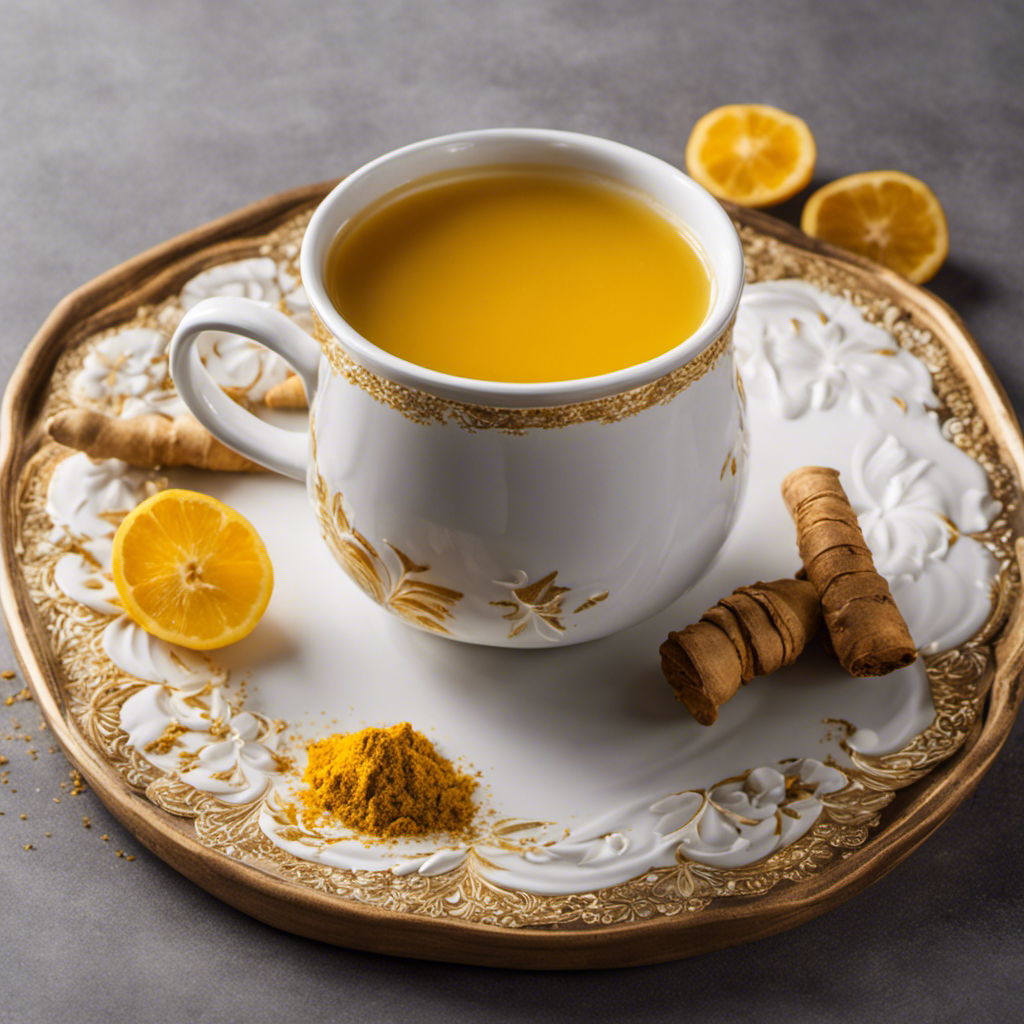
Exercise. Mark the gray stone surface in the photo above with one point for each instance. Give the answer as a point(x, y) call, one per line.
point(126, 123)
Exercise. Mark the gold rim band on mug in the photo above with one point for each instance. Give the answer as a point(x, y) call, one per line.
point(424, 408)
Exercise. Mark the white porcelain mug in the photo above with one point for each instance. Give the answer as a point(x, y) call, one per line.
point(518, 515)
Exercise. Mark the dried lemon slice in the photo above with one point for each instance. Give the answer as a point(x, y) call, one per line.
point(889, 216)
point(191, 570)
point(751, 154)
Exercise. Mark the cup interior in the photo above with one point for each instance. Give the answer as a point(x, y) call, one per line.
point(669, 187)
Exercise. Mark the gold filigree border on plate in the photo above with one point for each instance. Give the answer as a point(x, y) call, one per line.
point(424, 408)
point(96, 689)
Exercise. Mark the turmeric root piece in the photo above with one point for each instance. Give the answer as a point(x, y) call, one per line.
point(753, 632)
point(866, 630)
point(149, 441)
point(289, 394)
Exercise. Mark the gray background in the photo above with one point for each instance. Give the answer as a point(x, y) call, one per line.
point(126, 123)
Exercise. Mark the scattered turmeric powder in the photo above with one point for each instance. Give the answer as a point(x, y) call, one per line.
point(386, 783)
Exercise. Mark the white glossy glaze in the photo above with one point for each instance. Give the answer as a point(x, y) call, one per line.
point(86, 496)
point(126, 374)
point(226, 754)
point(910, 511)
point(233, 361)
point(148, 657)
point(801, 349)
point(952, 597)
point(839, 402)
point(628, 509)
point(84, 575)
point(128, 364)
point(635, 509)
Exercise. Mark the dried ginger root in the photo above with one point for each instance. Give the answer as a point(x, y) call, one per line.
point(149, 441)
point(867, 631)
point(753, 632)
point(289, 394)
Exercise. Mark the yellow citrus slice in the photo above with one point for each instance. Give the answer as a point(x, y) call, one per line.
point(191, 570)
point(751, 154)
point(889, 216)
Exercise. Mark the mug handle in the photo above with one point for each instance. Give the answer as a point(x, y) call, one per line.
point(284, 451)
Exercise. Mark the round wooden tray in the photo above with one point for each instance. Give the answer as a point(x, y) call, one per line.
point(909, 819)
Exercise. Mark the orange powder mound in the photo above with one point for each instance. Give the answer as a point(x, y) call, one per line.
point(387, 783)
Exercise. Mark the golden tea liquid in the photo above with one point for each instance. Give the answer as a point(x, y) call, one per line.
point(520, 274)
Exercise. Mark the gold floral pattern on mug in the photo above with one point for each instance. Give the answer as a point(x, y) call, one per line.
point(402, 591)
point(539, 603)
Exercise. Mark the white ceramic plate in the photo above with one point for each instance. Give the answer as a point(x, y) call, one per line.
point(601, 800)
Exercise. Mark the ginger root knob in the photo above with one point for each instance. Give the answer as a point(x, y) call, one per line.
point(149, 441)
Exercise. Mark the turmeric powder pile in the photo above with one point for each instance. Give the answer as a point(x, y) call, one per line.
point(387, 783)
